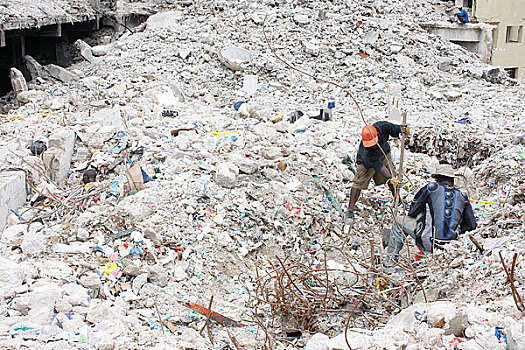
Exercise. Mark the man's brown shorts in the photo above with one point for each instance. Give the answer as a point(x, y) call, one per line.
point(363, 175)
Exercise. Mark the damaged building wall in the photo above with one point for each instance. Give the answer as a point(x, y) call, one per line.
point(509, 38)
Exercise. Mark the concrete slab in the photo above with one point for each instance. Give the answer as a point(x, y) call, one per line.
point(57, 158)
point(12, 193)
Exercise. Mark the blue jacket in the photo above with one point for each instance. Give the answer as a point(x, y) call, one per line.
point(446, 213)
point(463, 15)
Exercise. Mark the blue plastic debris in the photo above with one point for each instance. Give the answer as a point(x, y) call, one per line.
point(238, 105)
point(500, 334)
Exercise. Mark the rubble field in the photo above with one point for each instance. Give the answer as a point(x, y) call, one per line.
point(177, 187)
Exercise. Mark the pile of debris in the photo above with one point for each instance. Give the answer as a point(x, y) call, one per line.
point(185, 185)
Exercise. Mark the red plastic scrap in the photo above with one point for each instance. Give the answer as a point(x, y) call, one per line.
point(214, 316)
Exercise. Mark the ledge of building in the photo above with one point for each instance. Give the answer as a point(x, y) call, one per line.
point(455, 25)
point(23, 14)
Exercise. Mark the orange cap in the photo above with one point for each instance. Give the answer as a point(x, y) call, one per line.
point(369, 135)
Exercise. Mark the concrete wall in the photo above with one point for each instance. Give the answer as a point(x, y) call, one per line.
point(474, 37)
point(504, 13)
point(12, 193)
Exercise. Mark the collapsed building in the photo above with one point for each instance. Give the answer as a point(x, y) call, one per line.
point(157, 192)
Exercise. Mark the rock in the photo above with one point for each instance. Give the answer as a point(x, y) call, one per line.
point(317, 342)
point(18, 82)
point(76, 295)
point(158, 275)
point(61, 74)
point(227, 174)
point(495, 74)
point(99, 50)
point(452, 95)
point(457, 326)
point(245, 164)
point(35, 69)
point(138, 282)
point(86, 51)
point(32, 96)
point(311, 48)
point(301, 19)
point(445, 66)
point(167, 19)
point(34, 243)
point(12, 276)
point(271, 153)
point(396, 48)
point(91, 280)
point(56, 269)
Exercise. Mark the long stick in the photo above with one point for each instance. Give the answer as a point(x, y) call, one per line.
point(402, 156)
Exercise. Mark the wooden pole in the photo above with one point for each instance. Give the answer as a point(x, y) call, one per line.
point(402, 156)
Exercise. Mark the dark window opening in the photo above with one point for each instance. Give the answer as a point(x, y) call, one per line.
point(512, 72)
point(468, 3)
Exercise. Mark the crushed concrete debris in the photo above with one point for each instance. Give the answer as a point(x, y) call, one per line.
point(169, 178)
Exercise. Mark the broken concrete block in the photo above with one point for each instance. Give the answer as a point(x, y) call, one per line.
point(227, 174)
point(167, 19)
point(18, 82)
point(12, 193)
point(35, 69)
point(317, 342)
point(61, 74)
point(34, 243)
point(12, 276)
point(452, 95)
point(495, 74)
point(57, 158)
point(245, 165)
point(99, 51)
point(311, 48)
point(32, 96)
point(301, 19)
point(86, 51)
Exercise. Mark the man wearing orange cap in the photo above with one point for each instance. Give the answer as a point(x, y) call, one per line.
point(374, 161)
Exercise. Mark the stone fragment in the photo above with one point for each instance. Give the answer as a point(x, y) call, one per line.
point(301, 19)
point(34, 243)
point(245, 164)
point(495, 74)
point(271, 153)
point(452, 95)
point(35, 69)
point(18, 82)
point(86, 51)
point(61, 74)
point(158, 275)
point(227, 174)
point(317, 342)
point(32, 96)
point(12, 276)
point(138, 282)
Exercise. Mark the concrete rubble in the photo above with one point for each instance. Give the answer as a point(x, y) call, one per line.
point(222, 203)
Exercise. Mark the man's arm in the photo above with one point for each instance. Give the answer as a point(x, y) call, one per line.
point(419, 202)
point(468, 223)
point(394, 130)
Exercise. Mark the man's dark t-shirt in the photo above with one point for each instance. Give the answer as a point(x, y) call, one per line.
point(372, 157)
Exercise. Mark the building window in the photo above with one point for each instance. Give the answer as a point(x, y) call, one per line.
point(512, 72)
point(514, 34)
point(468, 3)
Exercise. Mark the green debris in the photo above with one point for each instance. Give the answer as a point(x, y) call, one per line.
point(23, 328)
point(328, 195)
point(82, 338)
point(349, 163)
